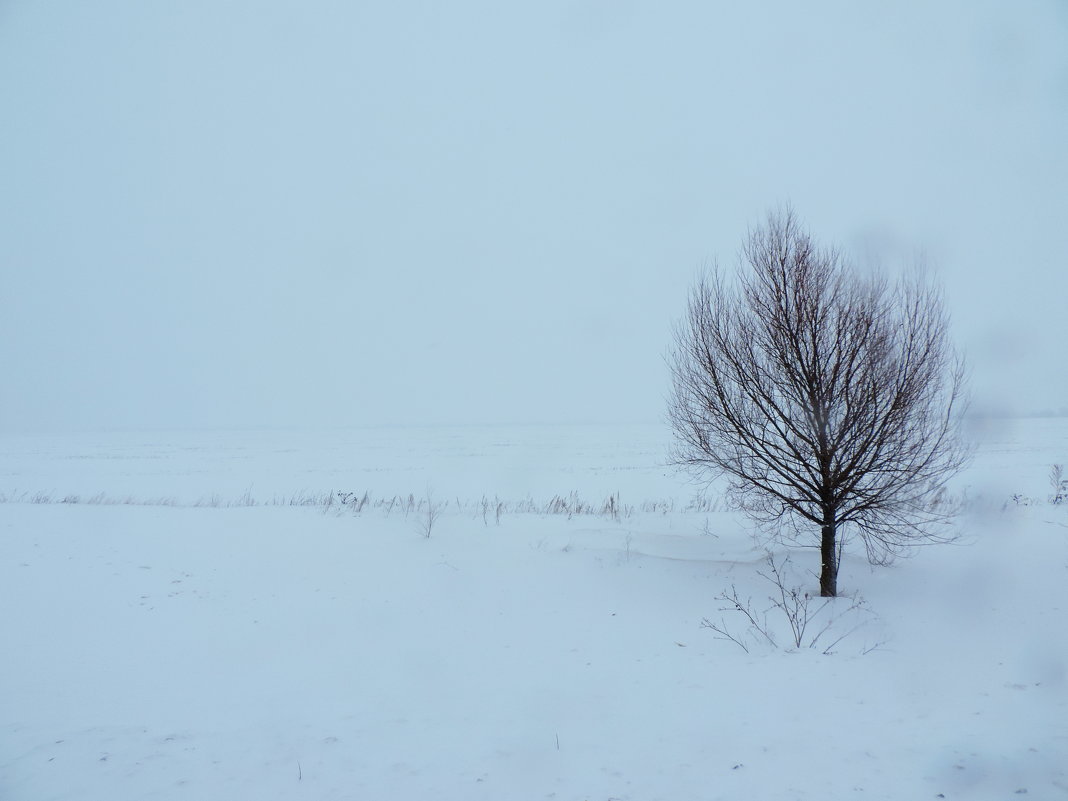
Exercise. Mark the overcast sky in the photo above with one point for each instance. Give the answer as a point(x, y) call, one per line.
point(320, 213)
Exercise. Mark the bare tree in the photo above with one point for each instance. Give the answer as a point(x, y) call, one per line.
point(826, 397)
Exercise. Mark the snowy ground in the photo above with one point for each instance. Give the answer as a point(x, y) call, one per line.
point(178, 630)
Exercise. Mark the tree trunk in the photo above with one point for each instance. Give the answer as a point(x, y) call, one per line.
point(829, 559)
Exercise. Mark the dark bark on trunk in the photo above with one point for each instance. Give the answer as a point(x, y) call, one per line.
point(829, 559)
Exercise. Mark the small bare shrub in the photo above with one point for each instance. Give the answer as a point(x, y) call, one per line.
point(431, 513)
point(1059, 484)
point(809, 621)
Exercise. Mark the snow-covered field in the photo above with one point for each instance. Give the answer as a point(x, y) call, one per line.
point(184, 616)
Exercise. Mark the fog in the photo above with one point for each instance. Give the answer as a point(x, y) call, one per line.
point(272, 213)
